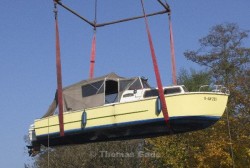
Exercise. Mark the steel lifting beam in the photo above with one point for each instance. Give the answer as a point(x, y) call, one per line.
point(166, 6)
point(131, 18)
point(95, 25)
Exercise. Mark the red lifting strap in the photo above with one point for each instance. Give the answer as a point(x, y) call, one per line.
point(156, 70)
point(59, 76)
point(172, 51)
point(92, 57)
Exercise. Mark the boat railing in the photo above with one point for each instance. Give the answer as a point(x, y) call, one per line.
point(214, 88)
point(204, 88)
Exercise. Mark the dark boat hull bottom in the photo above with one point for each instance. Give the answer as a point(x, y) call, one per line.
point(131, 130)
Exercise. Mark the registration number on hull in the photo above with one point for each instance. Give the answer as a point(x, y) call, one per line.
point(210, 98)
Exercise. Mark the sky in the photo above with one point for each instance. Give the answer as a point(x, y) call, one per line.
point(27, 51)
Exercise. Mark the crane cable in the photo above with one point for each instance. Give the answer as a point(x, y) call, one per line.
point(59, 73)
point(156, 69)
point(172, 50)
point(93, 47)
point(92, 56)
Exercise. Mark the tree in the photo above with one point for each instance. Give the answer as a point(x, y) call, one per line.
point(222, 52)
point(192, 80)
point(101, 154)
point(227, 62)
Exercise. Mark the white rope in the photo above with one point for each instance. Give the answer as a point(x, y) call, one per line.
point(230, 138)
point(48, 144)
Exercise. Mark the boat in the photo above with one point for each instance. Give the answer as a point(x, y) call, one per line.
point(117, 108)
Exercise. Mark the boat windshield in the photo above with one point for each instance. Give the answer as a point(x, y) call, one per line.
point(185, 89)
point(135, 85)
point(145, 83)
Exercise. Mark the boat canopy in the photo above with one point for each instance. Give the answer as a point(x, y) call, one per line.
point(96, 92)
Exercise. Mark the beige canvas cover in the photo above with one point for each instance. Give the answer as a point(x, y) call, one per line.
point(91, 93)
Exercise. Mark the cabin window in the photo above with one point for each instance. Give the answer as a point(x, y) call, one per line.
point(154, 92)
point(92, 89)
point(135, 85)
point(124, 84)
point(172, 90)
point(151, 93)
point(145, 83)
point(101, 89)
point(128, 95)
point(111, 91)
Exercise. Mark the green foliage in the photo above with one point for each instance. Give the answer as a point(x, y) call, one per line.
point(193, 79)
point(102, 154)
point(204, 148)
point(228, 62)
point(222, 52)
